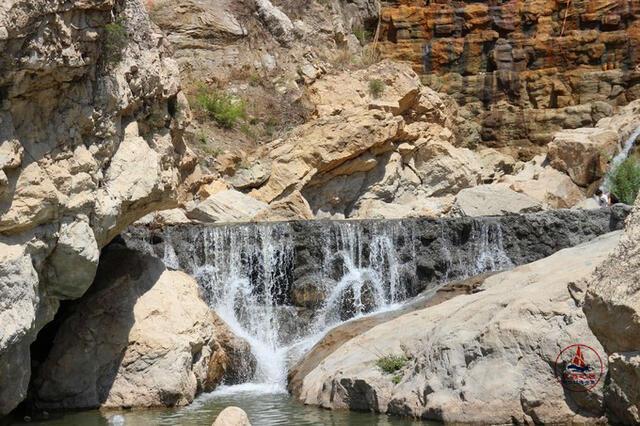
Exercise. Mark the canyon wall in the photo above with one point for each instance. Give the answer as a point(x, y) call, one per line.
point(521, 69)
point(91, 123)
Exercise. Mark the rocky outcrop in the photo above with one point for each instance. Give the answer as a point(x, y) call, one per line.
point(393, 153)
point(612, 307)
point(91, 124)
point(450, 354)
point(143, 337)
point(522, 69)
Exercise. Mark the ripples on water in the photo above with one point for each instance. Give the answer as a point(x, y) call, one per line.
point(264, 408)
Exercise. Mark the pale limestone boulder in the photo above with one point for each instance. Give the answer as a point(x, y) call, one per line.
point(250, 177)
point(292, 207)
point(323, 145)
point(143, 338)
point(337, 93)
point(584, 153)
point(226, 206)
point(493, 200)
point(444, 169)
point(232, 416)
point(487, 357)
point(74, 261)
point(278, 23)
point(545, 184)
point(495, 165)
point(612, 307)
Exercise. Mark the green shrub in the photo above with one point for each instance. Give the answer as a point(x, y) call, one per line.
point(115, 41)
point(390, 364)
point(225, 109)
point(362, 35)
point(376, 88)
point(625, 181)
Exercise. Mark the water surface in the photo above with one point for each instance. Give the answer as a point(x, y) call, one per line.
point(263, 408)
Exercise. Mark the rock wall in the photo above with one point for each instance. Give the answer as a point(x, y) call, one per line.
point(91, 123)
point(612, 307)
point(521, 69)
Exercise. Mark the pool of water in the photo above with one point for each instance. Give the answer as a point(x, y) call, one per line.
point(264, 409)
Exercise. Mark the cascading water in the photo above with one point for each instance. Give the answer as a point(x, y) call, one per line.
point(248, 273)
point(605, 188)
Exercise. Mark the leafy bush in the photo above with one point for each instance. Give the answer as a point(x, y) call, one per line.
point(376, 88)
point(391, 363)
point(625, 181)
point(225, 109)
point(115, 41)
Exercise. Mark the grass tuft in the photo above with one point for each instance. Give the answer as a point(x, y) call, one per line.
point(376, 88)
point(225, 109)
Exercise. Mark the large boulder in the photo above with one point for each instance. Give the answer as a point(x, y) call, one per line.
point(487, 357)
point(584, 154)
point(545, 184)
point(226, 206)
point(143, 337)
point(232, 416)
point(91, 139)
point(612, 307)
point(493, 200)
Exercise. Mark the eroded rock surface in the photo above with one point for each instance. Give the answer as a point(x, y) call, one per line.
point(91, 123)
point(522, 69)
point(612, 306)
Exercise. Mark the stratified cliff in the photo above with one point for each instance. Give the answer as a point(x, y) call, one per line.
point(522, 69)
point(91, 123)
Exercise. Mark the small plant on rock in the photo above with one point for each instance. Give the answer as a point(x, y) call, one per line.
point(225, 109)
point(625, 181)
point(376, 88)
point(115, 41)
point(392, 364)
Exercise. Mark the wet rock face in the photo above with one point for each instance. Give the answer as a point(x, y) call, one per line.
point(91, 124)
point(524, 69)
point(399, 257)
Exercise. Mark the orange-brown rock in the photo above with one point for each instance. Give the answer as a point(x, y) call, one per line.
point(522, 68)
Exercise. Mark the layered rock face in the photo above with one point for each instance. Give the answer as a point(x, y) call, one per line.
point(521, 69)
point(488, 357)
point(612, 307)
point(143, 337)
point(91, 123)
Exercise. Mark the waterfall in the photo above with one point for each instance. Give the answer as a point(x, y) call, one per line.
point(248, 274)
point(605, 188)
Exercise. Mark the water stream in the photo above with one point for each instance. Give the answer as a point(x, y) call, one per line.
point(605, 188)
point(247, 274)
